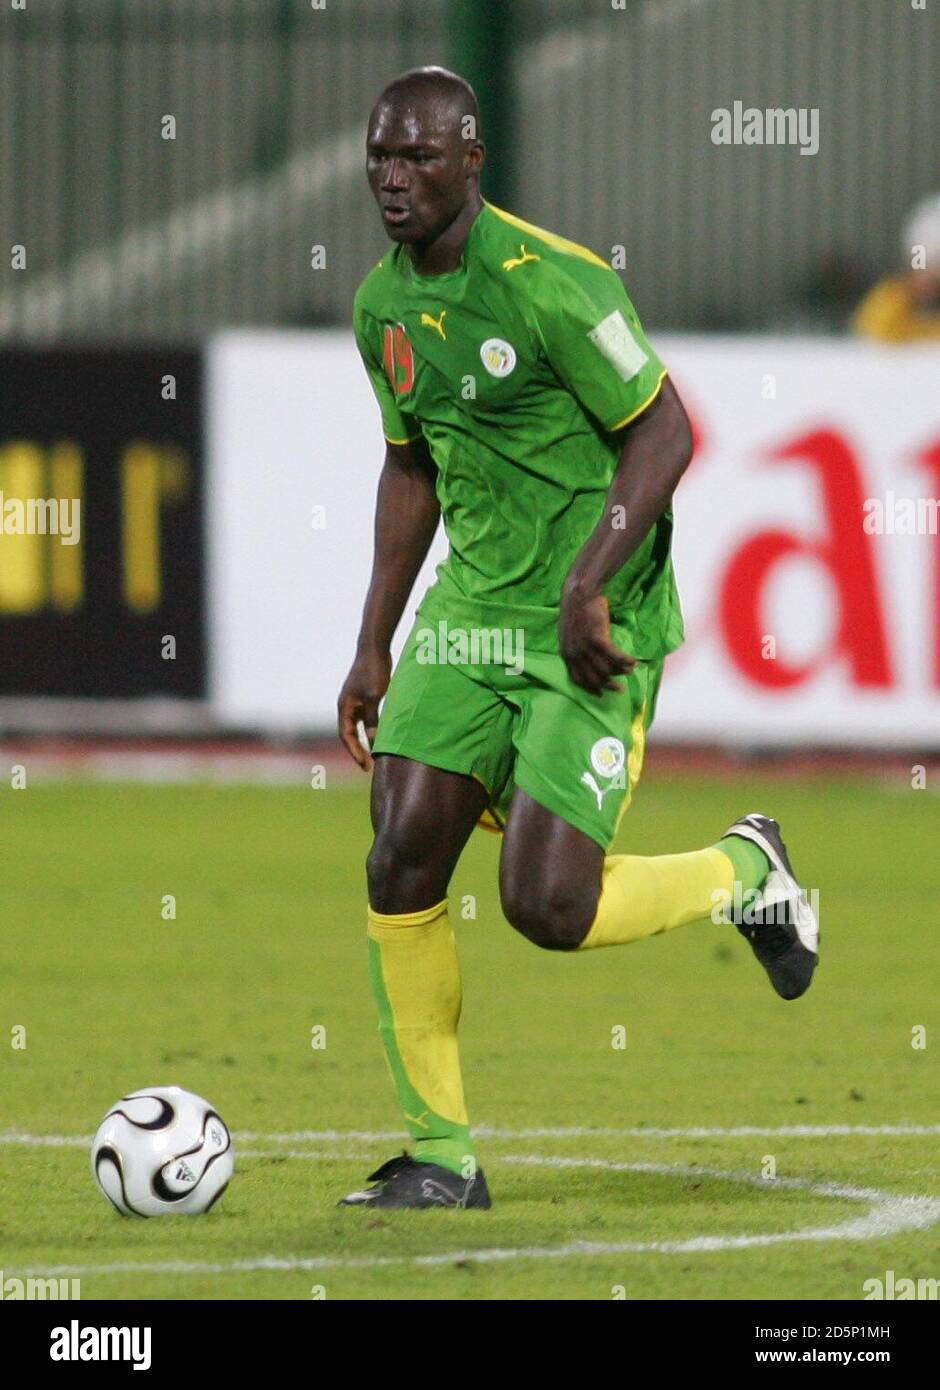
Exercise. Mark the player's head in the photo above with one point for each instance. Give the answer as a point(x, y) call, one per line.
point(423, 152)
point(922, 229)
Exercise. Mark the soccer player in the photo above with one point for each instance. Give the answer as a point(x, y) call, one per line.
point(522, 403)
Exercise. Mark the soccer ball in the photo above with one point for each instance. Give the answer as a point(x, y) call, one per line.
point(161, 1151)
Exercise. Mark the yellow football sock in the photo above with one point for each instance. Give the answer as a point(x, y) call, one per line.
point(416, 981)
point(640, 897)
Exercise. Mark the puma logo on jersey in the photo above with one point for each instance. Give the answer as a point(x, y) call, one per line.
point(520, 260)
point(438, 324)
point(587, 780)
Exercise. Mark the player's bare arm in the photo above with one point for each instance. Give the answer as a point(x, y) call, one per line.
point(656, 451)
point(406, 517)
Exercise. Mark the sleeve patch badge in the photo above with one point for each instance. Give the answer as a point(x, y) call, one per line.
point(613, 338)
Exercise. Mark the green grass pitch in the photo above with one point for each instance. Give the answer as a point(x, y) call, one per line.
point(268, 942)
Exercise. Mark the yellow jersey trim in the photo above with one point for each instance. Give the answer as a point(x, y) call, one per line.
point(410, 440)
point(640, 408)
point(634, 760)
point(559, 243)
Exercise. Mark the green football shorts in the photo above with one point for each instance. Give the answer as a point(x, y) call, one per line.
point(577, 754)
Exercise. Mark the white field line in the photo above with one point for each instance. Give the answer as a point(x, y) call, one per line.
point(887, 1215)
point(336, 1136)
point(589, 1132)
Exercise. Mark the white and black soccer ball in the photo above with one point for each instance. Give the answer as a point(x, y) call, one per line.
point(162, 1151)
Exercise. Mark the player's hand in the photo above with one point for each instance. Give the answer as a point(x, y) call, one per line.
point(359, 700)
point(592, 659)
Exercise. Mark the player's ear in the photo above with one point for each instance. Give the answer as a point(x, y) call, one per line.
point(476, 154)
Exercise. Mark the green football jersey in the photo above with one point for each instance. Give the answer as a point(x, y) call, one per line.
point(519, 368)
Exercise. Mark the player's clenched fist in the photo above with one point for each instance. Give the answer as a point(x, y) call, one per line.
point(585, 645)
point(359, 700)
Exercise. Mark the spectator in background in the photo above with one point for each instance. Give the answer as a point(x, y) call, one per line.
point(905, 308)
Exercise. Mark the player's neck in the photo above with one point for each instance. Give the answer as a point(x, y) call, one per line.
point(444, 252)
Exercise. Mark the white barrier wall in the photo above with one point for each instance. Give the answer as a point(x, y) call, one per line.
point(292, 426)
point(809, 574)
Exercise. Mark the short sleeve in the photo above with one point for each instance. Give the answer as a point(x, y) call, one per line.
point(397, 426)
point(595, 344)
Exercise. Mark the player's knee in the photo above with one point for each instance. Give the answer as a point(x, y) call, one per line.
point(400, 875)
point(555, 917)
point(386, 867)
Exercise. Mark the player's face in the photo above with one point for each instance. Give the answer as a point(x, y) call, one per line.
point(418, 165)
